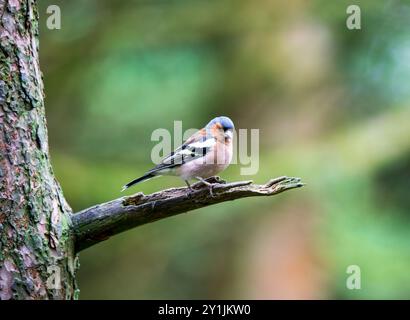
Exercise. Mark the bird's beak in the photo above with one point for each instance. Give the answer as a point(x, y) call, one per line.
point(228, 134)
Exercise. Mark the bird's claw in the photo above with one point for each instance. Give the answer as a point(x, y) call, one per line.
point(190, 192)
point(211, 190)
point(209, 185)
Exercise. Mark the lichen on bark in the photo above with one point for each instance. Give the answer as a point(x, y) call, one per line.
point(37, 259)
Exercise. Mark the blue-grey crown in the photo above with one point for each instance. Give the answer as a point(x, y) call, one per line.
point(226, 123)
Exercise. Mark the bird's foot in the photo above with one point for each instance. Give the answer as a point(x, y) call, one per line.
point(190, 190)
point(209, 185)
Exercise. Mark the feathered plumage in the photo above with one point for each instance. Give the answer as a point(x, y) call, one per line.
point(202, 155)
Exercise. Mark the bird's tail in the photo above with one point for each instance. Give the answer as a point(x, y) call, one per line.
point(146, 176)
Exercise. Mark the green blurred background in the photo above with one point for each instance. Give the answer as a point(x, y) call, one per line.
point(332, 106)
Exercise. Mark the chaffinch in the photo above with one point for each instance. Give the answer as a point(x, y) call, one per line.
point(204, 154)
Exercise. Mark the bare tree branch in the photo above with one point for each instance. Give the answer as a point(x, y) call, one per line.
point(102, 221)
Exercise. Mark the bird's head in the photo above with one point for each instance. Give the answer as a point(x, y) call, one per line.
point(222, 124)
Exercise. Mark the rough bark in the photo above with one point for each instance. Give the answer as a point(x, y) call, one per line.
point(98, 223)
point(36, 247)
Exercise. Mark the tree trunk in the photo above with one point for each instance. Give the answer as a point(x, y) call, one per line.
point(37, 259)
